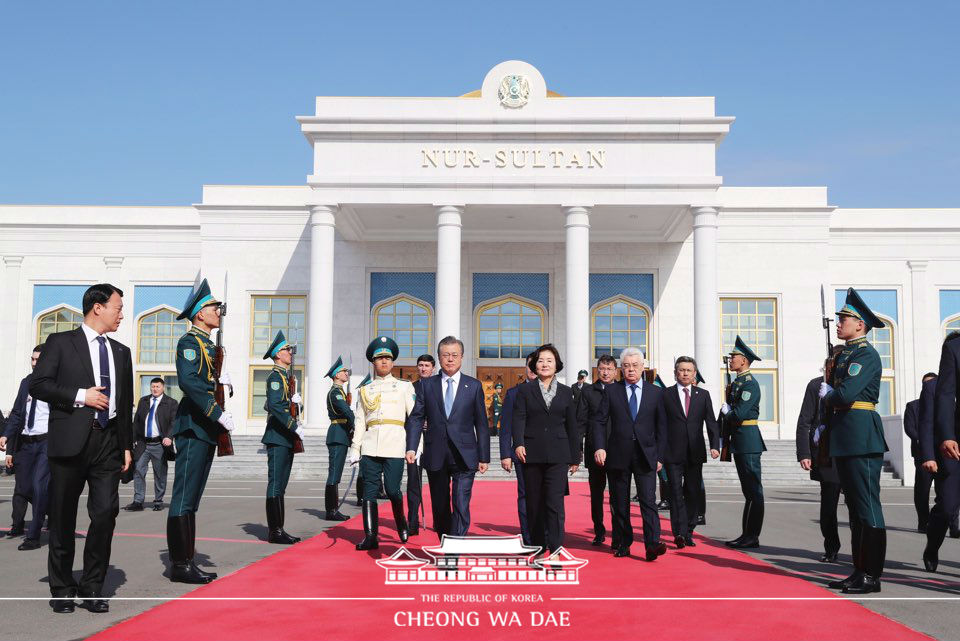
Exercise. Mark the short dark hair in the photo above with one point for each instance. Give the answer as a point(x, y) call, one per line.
point(928, 375)
point(532, 362)
point(450, 340)
point(157, 379)
point(99, 293)
point(38, 349)
point(426, 358)
point(606, 358)
point(685, 359)
point(548, 347)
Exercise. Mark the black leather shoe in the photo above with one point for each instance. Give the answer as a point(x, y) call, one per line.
point(866, 585)
point(157, 506)
point(828, 557)
point(843, 583)
point(29, 544)
point(701, 519)
point(281, 537)
point(335, 515)
point(680, 542)
point(656, 550)
point(189, 573)
point(133, 507)
point(734, 543)
point(690, 543)
point(931, 559)
point(62, 606)
point(622, 552)
point(663, 505)
point(598, 539)
point(747, 543)
point(14, 532)
point(93, 603)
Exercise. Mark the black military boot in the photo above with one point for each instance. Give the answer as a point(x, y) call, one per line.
point(330, 500)
point(856, 552)
point(192, 516)
point(874, 554)
point(283, 518)
point(182, 570)
point(275, 523)
point(400, 518)
point(754, 525)
point(743, 527)
point(370, 527)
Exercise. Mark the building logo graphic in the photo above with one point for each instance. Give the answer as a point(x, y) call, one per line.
point(482, 560)
point(514, 91)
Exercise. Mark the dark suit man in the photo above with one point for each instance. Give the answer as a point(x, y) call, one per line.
point(25, 439)
point(87, 379)
point(425, 367)
point(688, 409)
point(592, 397)
point(456, 444)
point(637, 445)
point(923, 477)
point(508, 457)
point(152, 432)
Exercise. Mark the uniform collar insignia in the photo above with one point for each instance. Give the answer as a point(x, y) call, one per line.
point(197, 330)
point(858, 340)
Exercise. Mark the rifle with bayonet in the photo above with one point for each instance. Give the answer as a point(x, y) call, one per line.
point(823, 412)
point(725, 434)
point(224, 442)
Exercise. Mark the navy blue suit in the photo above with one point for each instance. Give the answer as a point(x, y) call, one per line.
point(32, 467)
point(507, 451)
point(452, 448)
point(633, 446)
point(946, 426)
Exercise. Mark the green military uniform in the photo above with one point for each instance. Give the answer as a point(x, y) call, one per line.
point(496, 407)
point(338, 441)
point(195, 433)
point(856, 444)
point(279, 435)
point(747, 446)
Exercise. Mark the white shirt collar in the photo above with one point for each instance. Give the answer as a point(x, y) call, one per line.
point(455, 377)
point(89, 332)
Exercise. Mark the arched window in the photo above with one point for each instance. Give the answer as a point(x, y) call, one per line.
point(952, 325)
point(158, 334)
point(61, 319)
point(407, 321)
point(619, 323)
point(509, 328)
point(882, 338)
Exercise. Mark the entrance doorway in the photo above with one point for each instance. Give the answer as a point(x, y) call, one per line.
point(490, 376)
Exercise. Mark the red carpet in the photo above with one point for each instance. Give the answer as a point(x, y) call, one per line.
point(347, 587)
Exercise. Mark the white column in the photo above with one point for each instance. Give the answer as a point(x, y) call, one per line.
point(706, 332)
point(320, 311)
point(449, 226)
point(577, 275)
point(923, 359)
point(11, 328)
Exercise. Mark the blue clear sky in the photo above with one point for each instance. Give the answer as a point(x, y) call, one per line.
point(143, 102)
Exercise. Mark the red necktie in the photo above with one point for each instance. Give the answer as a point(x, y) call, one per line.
point(686, 401)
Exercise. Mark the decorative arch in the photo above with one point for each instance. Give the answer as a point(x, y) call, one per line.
point(407, 320)
point(61, 318)
point(952, 324)
point(158, 331)
point(619, 322)
point(509, 326)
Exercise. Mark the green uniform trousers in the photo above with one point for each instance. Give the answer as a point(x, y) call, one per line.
point(860, 480)
point(279, 464)
point(191, 470)
point(372, 467)
point(338, 456)
point(748, 469)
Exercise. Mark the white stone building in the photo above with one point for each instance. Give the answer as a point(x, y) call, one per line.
point(510, 217)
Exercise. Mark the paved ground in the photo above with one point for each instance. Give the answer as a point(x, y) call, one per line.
point(232, 514)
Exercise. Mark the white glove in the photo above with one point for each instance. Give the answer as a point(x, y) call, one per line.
point(724, 409)
point(300, 432)
point(296, 398)
point(354, 459)
point(825, 389)
point(225, 379)
point(816, 434)
point(226, 419)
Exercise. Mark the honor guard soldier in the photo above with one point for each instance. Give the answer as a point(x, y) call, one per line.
point(280, 436)
point(199, 421)
point(742, 410)
point(855, 437)
point(380, 438)
point(338, 438)
point(496, 406)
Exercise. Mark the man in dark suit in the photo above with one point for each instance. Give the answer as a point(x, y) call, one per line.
point(87, 379)
point(508, 457)
point(923, 478)
point(688, 409)
point(592, 397)
point(637, 445)
point(25, 439)
point(425, 367)
point(152, 429)
point(456, 444)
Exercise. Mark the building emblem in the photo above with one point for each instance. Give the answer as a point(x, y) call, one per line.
point(482, 560)
point(514, 91)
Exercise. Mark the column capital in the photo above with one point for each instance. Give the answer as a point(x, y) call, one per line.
point(113, 262)
point(323, 215)
point(705, 216)
point(918, 265)
point(12, 261)
point(576, 216)
point(449, 215)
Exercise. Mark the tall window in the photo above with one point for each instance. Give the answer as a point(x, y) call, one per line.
point(882, 339)
point(509, 328)
point(158, 336)
point(407, 321)
point(258, 388)
point(272, 313)
point(617, 324)
point(61, 319)
point(755, 320)
point(952, 325)
point(171, 384)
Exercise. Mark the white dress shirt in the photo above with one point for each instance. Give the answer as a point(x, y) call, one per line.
point(680, 389)
point(443, 385)
point(94, 345)
point(41, 418)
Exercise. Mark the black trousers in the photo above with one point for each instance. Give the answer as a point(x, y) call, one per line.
point(922, 480)
point(829, 500)
point(31, 484)
point(646, 478)
point(450, 490)
point(545, 484)
point(98, 467)
point(414, 493)
point(597, 479)
point(684, 481)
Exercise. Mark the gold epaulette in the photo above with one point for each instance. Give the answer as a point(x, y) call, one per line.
point(369, 404)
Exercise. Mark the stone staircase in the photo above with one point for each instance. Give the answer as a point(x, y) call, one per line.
point(780, 467)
